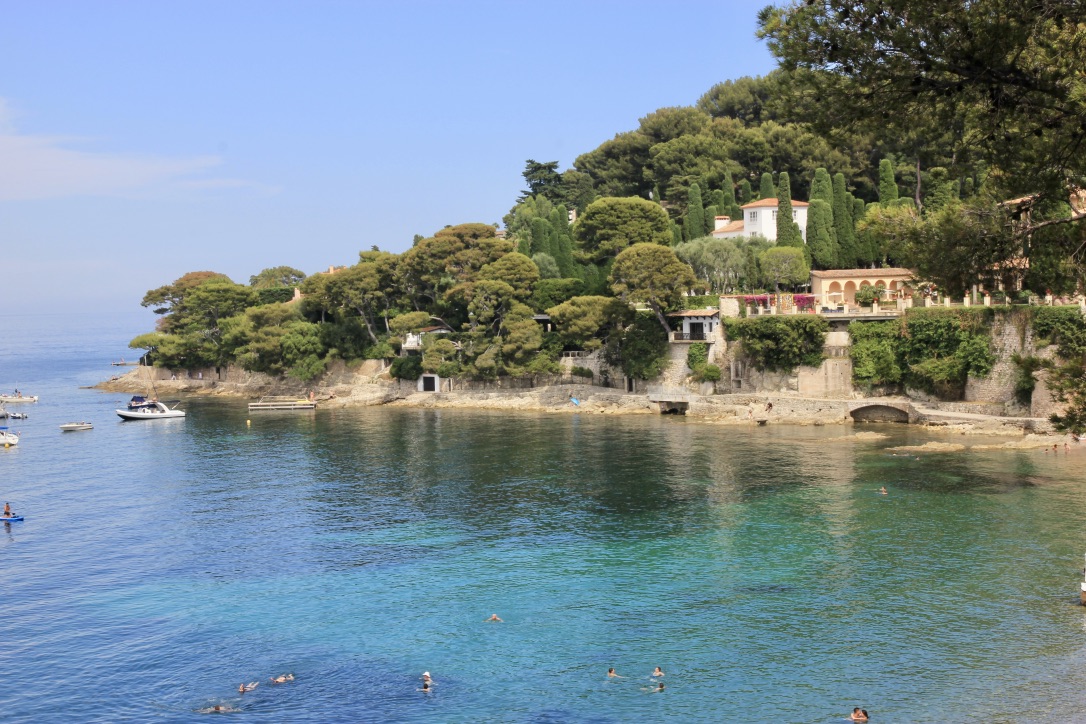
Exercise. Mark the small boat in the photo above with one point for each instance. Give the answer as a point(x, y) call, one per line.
point(18, 397)
point(73, 426)
point(12, 519)
point(18, 415)
point(158, 412)
point(8, 438)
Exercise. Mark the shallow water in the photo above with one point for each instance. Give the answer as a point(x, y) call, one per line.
point(163, 563)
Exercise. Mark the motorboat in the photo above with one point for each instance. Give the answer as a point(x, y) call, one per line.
point(74, 426)
point(18, 415)
point(8, 438)
point(139, 402)
point(158, 412)
point(18, 397)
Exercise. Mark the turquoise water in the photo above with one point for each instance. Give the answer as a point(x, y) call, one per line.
point(163, 563)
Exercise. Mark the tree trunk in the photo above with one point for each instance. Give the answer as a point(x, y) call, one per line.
point(919, 206)
point(663, 320)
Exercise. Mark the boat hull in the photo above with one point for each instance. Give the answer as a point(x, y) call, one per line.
point(74, 426)
point(13, 398)
point(149, 414)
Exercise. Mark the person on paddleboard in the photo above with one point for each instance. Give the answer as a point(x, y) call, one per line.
point(7, 511)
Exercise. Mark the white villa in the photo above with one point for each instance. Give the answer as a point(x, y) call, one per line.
point(760, 219)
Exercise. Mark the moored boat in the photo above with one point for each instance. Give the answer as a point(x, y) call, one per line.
point(18, 397)
point(8, 438)
point(74, 426)
point(158, 412)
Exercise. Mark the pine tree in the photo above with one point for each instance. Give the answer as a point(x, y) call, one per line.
point(694, 221)
point(887, 184)
point(746, 193)
point(967, 187)
point(819, 239)
point(847, 253)
point(766, 190)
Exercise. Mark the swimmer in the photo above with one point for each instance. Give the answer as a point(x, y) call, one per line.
point(217, 709)
point(425, 687)
point(858, 714)
point(426, 677)
point(494, 617)
point(657, 672)
point(282, 678)
point(612, 675)
point(882, 491)
point(659, 688)
point(243, 687)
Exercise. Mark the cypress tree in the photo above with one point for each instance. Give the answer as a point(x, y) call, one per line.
point(541, 237)
point(787, 230)
point(716, 198)
point(728, 191)
point(887, 184)
point(694, 221)
point(822, 186)
point(746, 193)
point(766, 190)
point(524, 243)
point(843, 224)
point(819, 239)
point(710, 219)
point(676, 234)
point(563, 246)
point(859, 208)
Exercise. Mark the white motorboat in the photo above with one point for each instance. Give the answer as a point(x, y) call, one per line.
point(20, 397)
point(158, 412)
point(8, 438)
point(73, 426)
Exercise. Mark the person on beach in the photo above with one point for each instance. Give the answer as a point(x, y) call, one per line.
point(494, 617)
point(657, 672)
point(612, 675)
point(858, 714)
point(282, 678)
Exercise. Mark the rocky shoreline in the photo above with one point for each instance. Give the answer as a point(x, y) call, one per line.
point(368, 384)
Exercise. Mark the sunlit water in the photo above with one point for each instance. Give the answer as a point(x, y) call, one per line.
point(163, 563)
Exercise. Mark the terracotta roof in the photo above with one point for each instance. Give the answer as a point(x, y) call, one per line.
point(866, 273)
point(762, 203)
point(733, 226)
point(695, 313)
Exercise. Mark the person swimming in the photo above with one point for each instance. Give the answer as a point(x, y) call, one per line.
point(282, 678)
point(858, 714)
point(612, 675)
point(494, 617)
point(882, 491)
point(217, 709)
point(243, 687)
point(426, 677)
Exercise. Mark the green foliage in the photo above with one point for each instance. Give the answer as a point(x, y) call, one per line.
point(717, 262)
point(583, 321)
point(274, 295)
point(822, 186)
point(766, 189)
point(277, 277)
point(866, 296)
point(406, 368)
point(1063, 326)
point(697, 355)
point(1066, 328)
point(610, 225)
point(708, 373)
point(820, 234)
point(1024, 381)
point(887, 185)
point(874, 353)
point(582, 372)
point(701, 301)
point(844, 226)
point(746, 193)
point(552, 292)
point(939, 348)
point(787, 230)
point(783, 265)
point(548, 267)
point(641, 350)
point(652, 274)
point(780, 343)
point(694, 222)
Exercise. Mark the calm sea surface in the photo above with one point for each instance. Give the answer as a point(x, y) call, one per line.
point(163, 563)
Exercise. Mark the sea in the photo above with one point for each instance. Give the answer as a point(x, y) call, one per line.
point(163, 563)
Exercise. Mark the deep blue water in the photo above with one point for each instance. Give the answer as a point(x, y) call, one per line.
point(163, 563)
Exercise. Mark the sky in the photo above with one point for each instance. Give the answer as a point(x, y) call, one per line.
point(143, 140)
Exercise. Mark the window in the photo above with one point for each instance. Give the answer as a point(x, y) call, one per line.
point(753, 216)
point(793, 214)
point(774, 215)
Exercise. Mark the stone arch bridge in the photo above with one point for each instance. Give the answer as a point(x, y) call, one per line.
point(883, 411)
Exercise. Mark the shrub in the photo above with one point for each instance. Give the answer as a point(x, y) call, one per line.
point(780, 343)
point(874, 352)
point(697, 355)
point(701, 301)
point(406, 368)
point(708, 373)
point(640, 350)
point(582, 372)
point(866, 295)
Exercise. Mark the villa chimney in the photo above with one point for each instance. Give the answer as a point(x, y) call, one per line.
point(720, 222)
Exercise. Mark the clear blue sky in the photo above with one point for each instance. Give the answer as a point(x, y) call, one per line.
point(142, 140)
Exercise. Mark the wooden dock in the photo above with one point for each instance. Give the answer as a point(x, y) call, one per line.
point(282, 403)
